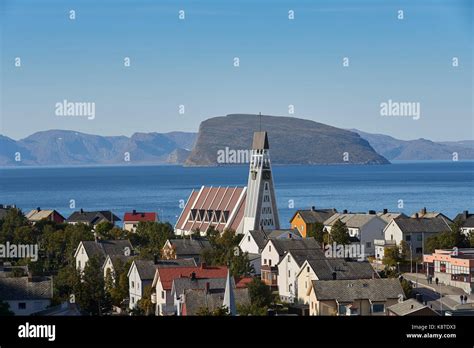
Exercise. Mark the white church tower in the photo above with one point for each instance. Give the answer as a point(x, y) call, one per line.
point(260, 206)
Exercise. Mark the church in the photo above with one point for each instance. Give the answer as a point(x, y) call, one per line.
point(237, 208)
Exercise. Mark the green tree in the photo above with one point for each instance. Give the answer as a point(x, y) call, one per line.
point(5, 309)
point(260, 294)
point(150, 237)
point(454, 237)
point(103, 229)
point(145, 304)
point(392, 257)
point(12, 220)
point(340, 233)
point(65, 283)
point(118, 286)
point(317, 231)
point(225, 251)
point(219, 311)
point(251, 310)
point(91, 294)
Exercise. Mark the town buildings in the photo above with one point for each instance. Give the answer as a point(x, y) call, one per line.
point(354, 297)
point(363, 228)
point(101, 249)
point(131, 220)
point(92, 218)
point(185, 248)
point(466, 220)
point(306, 221)
point(38, 214)
point(454, 267)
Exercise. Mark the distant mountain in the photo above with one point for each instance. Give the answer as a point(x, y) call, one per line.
point(292, 141)
point(419, 149)
point(61, 147)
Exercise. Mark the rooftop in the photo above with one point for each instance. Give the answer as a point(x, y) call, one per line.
point(379, 289)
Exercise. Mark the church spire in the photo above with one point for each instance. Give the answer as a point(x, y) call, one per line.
point(260, 206)
point(229, 299)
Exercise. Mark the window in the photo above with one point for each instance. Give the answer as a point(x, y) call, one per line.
point(289, 274)
point(305, 285)
point(82, 251)
point(269, 248)
point(289, 258)
point(79, 264)
point(419, 237)
point(21, 305)
point(264, 261)
point(307, 269)
point(368, 245)
point(270, 262)
point(342, 310)
point(133, 284)
point(378, 308)
point(418, 250)
point(408, 238)
point(138, 286)
point(133, 299)
point(162, 294)
point(248, 238)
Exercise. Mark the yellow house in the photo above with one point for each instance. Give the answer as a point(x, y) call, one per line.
point(354, 297)
point(306, 220)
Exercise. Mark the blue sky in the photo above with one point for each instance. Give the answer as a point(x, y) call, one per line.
point(282, 62)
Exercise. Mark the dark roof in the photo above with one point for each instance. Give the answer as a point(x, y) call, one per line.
point(21, 288)
point(300, 256)
point(180, 285)
point(146, 269)
point(379, 289)
point(189, 246)
point(291, 244)
point(408, 307)
point(102, 248)
point(92, 217)
point(260, 141)
point(324, 269)
point(412, 225)
point(176, 263)
point(466, 219)
point(119, 260)
point(262, 236)
point(196, 299)
point(312, 216)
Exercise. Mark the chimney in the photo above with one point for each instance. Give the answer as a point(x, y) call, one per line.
point(371, 212)
point(411, 306)
point(385, 211)
point(82, 211)
point(334, 276)
point(134, 212)
point(465, 213)
point(313, 208)
point(193, 276)
point(344, 211)
point(203, 265)
point(423, 211)
point(208, 285)
point(416, 216)
point(38, 209)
